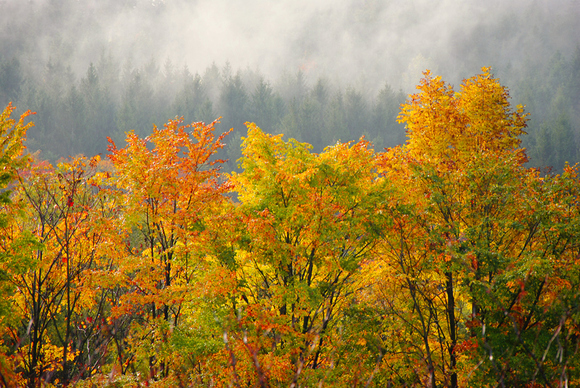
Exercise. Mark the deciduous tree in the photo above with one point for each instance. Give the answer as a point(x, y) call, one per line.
point(170, 186)
point(308, 231)
point(468, 226)
point(12, 136)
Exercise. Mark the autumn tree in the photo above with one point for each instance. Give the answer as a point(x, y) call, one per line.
point(467, 227)
point(55, 331)
point(450, 136)
point(12, 136)
point(169, 187)
point(307, 232)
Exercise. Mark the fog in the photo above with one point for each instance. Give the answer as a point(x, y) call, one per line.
point(358, 42)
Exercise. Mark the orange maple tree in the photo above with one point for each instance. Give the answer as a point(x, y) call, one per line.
point(169, 187)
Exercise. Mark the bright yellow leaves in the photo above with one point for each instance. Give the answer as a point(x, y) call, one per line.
point(473, 239)
point(13, 135)
point(12, 243)
point(447, 128)
point(308, 231)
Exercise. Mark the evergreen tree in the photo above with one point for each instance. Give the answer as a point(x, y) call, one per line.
point(335, 126)
point(232, 102)
point(385, 131)
point(100, 114)
point(192, 101)
point(265, 107)
point(356, 114)
point(11, 79)
point(137, 107)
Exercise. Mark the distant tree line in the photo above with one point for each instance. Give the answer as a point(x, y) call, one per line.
point(552, 95)
point(75, 116)
point(44, 67)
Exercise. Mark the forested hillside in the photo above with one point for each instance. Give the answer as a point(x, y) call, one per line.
point(76, 117)
point(92, 70)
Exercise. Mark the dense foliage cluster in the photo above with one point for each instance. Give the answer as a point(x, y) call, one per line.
point(441, 262)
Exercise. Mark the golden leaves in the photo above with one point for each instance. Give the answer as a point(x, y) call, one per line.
point(445, 125)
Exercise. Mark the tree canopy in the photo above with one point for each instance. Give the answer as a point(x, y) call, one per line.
point(444, 261)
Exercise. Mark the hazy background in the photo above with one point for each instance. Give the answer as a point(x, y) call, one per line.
point(358, 44)
point(368, 41)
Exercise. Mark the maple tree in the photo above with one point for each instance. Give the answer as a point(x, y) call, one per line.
point(169, 187)
point(58, 308)
point(307, 233)
point(12, 136)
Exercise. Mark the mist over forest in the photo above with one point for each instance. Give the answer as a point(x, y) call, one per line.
point(316, 71)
